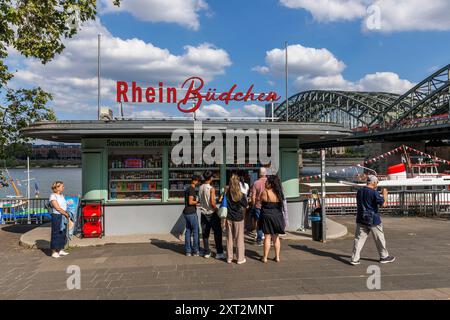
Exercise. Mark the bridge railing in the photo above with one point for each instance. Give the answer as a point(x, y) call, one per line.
point(18, 210)
point(429, 202)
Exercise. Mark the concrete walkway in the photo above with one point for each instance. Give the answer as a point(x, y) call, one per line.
point(308, 269)
point(39, 238)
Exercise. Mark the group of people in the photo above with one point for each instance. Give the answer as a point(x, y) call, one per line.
point(264, 203)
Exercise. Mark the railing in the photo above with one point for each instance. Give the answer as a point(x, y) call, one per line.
point(19, 210)
point(430, 202)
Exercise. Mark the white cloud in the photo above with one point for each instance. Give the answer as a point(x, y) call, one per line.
point(212, 111)
point(319, 69)
point(329, 10)
point(146, 114)
point(384, 82)
point(301, 61)
point(71, 76)
point(182, 12)
point(336, 82)
point(376, 82)
point(405, 15)
point(395, 15)
point(254, 110)
point(261, 69)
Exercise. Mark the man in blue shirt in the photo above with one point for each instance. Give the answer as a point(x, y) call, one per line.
point(368, 220)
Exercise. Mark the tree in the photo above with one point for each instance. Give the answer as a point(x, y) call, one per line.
point(35, 28)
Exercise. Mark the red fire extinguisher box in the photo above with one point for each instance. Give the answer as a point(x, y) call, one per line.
point(92, 215)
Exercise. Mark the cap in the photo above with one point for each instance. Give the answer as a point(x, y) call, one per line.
point(372, 179)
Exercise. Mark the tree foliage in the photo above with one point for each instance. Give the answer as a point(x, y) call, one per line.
point(35, 29)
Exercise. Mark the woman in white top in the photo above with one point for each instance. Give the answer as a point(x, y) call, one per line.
point(59, 232)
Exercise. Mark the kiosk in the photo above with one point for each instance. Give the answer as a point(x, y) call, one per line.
point(128, 164)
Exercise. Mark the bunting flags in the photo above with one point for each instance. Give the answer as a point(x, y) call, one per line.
point(378, 158)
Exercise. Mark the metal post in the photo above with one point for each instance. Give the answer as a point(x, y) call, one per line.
point(98, 76)
point(28, 191)
point(323, 195)
point(286, 67)
point(272, 109)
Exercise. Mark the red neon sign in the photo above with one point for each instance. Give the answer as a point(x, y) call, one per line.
point(192, 91)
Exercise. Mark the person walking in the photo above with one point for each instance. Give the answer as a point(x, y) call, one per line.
point(236, 206)
point(190, 215)
point(257, 190)
point(368, 220)
point(60, 220)
point(209, 217)
point(272, 221)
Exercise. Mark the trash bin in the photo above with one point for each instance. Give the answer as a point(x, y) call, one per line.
point(316, 224)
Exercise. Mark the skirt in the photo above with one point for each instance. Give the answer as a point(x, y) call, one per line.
point(58, 237)
point(272, 221)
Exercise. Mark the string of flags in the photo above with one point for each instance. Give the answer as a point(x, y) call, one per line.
point(427, 155)
point(383, 156)
point(375, 159)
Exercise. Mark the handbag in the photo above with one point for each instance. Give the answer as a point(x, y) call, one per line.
point(223, 209)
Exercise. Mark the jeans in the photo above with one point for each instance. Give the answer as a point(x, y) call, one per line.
point(191, 228)
point(257, 214)
point(208, 222)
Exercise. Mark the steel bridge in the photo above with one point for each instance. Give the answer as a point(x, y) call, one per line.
point(420, 112)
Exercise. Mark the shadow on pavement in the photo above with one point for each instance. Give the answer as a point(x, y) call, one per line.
point(338, 257)
point(175, 247)
point(19, 228)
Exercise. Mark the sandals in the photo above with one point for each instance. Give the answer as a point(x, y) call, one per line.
point(263, 260)
point(276, 260)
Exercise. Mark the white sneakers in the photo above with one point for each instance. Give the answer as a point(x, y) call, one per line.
point(59, 254)
point(63, 253)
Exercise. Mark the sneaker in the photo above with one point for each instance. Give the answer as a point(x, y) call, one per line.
point(259, 243)
point(388, 259)
point(242, 262)
point(63, 253)
point(207, 255)
point(188, 254)
point(220, 256)
point(55, 255)
point(196, 254)
point(355, 263)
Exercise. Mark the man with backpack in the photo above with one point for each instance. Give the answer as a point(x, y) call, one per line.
point(368, 220)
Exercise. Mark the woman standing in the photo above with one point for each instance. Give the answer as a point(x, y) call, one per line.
point(60, 220)
point(236, 205)
point(272, 221)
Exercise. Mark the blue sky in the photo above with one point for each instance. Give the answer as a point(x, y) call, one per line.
point(330, 48)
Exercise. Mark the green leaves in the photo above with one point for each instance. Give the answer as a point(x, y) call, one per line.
point(35, 28)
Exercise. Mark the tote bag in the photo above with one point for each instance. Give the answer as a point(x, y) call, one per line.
point(223, 209)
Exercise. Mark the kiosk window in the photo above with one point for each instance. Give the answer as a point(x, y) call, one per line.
point(135, 175)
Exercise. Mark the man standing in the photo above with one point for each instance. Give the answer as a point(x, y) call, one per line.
point(258, 188)
point(209, 218)
point(368, 219)
point(190, 215)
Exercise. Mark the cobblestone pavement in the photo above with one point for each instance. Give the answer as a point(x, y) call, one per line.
point(308, 270)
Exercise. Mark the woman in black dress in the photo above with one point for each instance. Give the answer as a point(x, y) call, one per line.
point(272, 221)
